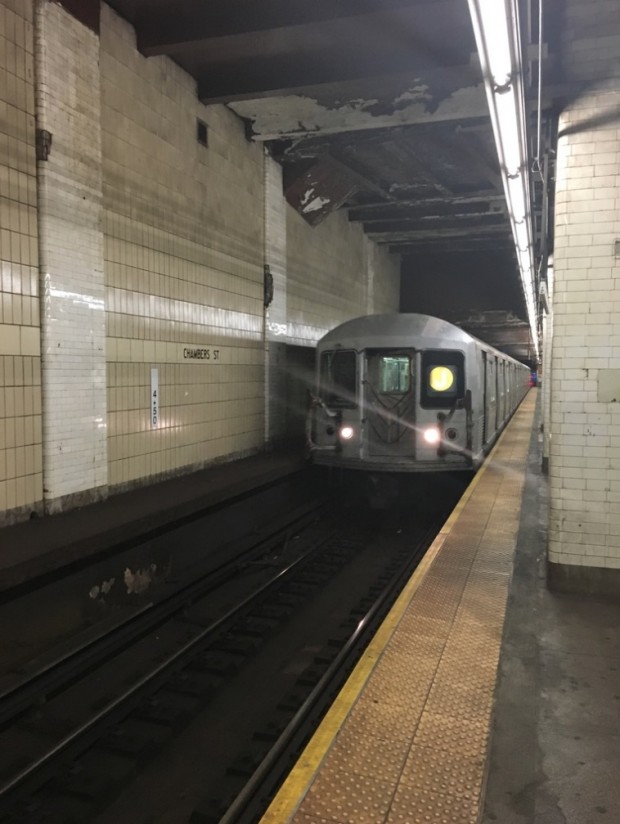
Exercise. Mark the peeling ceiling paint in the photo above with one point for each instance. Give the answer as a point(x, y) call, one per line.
point(274, 118)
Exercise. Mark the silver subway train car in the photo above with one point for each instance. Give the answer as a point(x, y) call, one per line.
point(409, 393)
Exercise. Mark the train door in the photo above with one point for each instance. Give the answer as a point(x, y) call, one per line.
point(485, 401)
point(501, 395)
point(491, 397)
point(389, 400)
point(497, 409)
point(508, 382)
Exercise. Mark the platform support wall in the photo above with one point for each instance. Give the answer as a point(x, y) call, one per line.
point(584, 535)
point(71, 259)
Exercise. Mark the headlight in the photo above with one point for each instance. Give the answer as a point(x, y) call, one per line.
point(431, 435)
point(346, 433)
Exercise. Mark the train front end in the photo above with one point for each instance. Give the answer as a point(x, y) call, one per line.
point(390, 400)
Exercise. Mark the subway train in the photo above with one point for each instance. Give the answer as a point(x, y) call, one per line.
point(409, 393)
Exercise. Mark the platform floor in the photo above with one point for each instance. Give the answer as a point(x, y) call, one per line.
point(409, 737)
point(42, 545)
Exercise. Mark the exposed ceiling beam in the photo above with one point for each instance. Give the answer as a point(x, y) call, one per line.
point(489, 196)
point(445, 236)
point(407, 154)
point(424, 209)
point(404, 99)
point(304, 146)
point(476, 156)
point(478, 223)
point(475, 222)
point(316, 73)
point(164, 27)
point(362, 180)
point(455, 246)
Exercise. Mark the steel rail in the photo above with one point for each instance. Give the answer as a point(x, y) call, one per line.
point(256, 784)
point(83, 735)
point(97, 649)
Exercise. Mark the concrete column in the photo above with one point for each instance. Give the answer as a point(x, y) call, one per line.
point(276, 318)
point(71, 259)
point(371, 269)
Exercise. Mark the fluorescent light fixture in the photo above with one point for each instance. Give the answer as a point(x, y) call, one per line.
point(522, 239)
point(496, 28)
point(508, 123)
point(517, 207)
point(493, 23)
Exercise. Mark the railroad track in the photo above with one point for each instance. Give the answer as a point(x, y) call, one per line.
point(40, 731)
point(323, 680)
point(79, 733)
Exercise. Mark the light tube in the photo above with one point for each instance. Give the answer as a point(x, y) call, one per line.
point(495, 24)
point(521, 236)
point(508, 126)
point(517, 206)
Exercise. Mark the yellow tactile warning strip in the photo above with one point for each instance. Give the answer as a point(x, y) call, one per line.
point(406, 740)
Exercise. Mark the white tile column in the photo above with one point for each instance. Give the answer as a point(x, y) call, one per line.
point(71, 260)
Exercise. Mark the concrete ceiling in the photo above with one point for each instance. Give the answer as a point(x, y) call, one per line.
point(373, 106)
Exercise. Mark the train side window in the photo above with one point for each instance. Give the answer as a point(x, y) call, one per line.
point(443, 378)
point(394, 374)
point(338, 378)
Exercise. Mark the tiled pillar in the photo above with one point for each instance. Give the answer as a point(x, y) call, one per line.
point(276, 327)
point(547, 332)
point(71, 260)
point(584, 538)
point(20, 372)
point(584, 451)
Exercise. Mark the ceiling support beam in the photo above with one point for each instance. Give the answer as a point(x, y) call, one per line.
point(456, 246)
point(437, 222)
point(409, 98)
point(423, 209)
point(382, 83)
point(164, 29)
point(364, 183)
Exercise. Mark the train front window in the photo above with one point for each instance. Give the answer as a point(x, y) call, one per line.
point(394, 374)
point(338, 378)
point(443, 378)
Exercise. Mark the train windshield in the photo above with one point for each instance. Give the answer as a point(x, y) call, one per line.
point(394, 374)
point(338, 378)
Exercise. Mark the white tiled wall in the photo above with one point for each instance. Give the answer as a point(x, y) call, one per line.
point(323, 276)
point(187, 230)
point(20, 365)
point(152, 253)
point(584, 462)
point(334, 273)
point(383, 279)
point(71, 245)
point(184, 251)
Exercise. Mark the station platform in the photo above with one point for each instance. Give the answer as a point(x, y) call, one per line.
point(41, 546)
point(483, 697)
